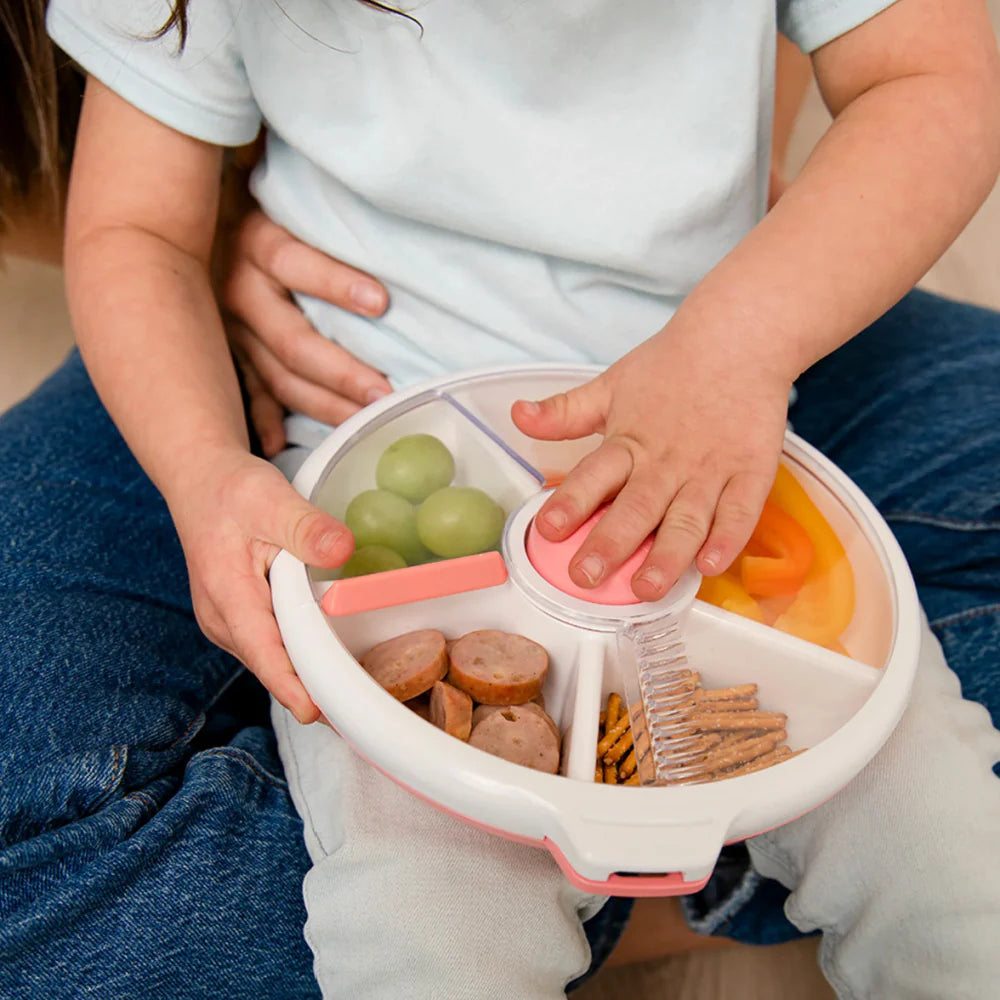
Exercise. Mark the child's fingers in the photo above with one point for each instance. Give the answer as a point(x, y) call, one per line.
point(685, 525)
point(255, 641)
point(310, 534)
point(566, 415)
point(634, 513)
point(736, 514)
point(597, 476)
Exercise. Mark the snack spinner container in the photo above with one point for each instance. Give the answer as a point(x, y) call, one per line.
point(842, 699)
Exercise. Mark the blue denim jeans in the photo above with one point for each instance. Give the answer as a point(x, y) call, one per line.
point(148, 845)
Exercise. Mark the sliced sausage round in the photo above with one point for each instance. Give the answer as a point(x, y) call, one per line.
point(482, 711)
point(498, 668)
point(421, 705)
point(409, 664)
point(520, 736)
point(451, 710)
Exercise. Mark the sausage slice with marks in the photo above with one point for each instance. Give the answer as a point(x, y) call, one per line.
point(519, 735)
point(498, 668)
point(482, 711)
point(409, 664)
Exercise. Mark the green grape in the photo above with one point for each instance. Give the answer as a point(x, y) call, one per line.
point(414, 467)
point(459, 521)
point(371, 559)
point(378, 517)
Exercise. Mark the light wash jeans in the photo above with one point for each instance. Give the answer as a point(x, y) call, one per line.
point(149, 847)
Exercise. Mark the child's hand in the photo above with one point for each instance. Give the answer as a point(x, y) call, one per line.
point(692, 436)
point(232, 522)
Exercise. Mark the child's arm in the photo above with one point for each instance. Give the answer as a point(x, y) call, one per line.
point(693, 418)
point(140, 220)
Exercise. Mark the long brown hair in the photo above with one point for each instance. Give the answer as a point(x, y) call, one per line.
point(179, 18)
point(39, 108)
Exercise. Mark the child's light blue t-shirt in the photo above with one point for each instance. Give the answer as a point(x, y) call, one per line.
point(531, 181)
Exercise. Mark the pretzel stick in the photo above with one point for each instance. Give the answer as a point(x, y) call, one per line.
point(628, 766)
point(743, 720)
point(614, 710)
point(599, 773)
point(610, 774)
point(742, 752)
point(612, 736)
point(620, 748)
point(728, 693)
point(738, 705)
point(632, 779)
point(768, 759)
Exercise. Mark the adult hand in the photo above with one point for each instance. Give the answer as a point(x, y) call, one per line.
point(284, 361)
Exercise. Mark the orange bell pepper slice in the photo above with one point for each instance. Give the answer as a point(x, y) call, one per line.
point(788, 554)
point(725, 591)
point(824, 604)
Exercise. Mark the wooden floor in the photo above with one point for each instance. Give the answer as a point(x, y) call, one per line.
point(34, 335)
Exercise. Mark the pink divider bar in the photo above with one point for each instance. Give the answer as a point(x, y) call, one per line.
point(414, 583)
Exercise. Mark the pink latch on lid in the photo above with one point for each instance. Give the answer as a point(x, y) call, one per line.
point(551, 561)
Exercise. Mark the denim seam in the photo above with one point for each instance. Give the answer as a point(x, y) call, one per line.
point(941, 521)
point(143, 797)
point(963, 616)
point(247, 760)
point(199, 719)
point(117, 770)
point(290, 743)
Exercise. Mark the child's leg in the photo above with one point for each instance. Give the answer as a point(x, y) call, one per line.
point(407, 903)
point(899, 869)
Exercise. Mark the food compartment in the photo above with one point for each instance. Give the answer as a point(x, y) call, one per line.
point(369, 637)
point(738, 697)
point(417, 485)
point(813, 568)
point(489, 400)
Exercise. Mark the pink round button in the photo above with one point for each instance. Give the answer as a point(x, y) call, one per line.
point(551, 560)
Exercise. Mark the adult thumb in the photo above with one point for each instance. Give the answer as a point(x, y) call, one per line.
point(566, 415)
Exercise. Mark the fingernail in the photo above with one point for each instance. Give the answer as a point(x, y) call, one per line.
point(367, 296)
point(376, 393)
point(711, 559)
point(592, 567)
point(530, 407)
point(329, 541)
point(557, 520)
point(653, 579)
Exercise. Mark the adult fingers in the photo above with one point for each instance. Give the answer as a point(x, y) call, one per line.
point(267, 415)
point(278, 324)
point(298, 394)
point(298, 266)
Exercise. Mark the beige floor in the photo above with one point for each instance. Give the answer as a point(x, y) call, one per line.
point(34, 335)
